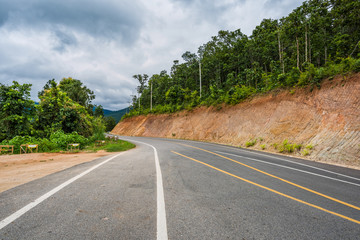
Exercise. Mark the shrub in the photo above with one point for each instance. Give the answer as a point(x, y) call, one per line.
point(250, 143)
point(62, 140)
point(309, 146)
point(305, 152)
point(355, 66)
point(263, 146)
point(288, 147)
point(292, 77)
point(99, 128)
point(19, 140)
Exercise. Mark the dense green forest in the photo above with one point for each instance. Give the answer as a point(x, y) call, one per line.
point(65, 114)
point(317, 40)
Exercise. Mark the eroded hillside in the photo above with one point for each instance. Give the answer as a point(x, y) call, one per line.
point(328, 119)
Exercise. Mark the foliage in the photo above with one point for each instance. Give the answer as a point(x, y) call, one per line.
point(56, 111)
point(118, 146)
point(317, 40)
point(99, 111)
point(58, 141)
point(109, 123)
point(305, 152)
point(62, 139)
point(112, 146)
point(56, 121)
point(77, 92)
point(288, 147)
point(98, 124)
point(16, 110)
point(309, 146)
point(250, 143)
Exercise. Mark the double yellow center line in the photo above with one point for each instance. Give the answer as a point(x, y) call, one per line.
point(272, 190)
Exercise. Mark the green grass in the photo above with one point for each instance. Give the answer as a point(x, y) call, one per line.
point(111, 146)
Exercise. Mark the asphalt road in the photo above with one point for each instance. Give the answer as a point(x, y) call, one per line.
point(179, 189)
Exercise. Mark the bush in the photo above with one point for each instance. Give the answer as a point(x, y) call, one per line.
point(19, 140)
point(305, 152)
point(250, 143)
point(99, 128)
point(355, 66)
point(292, 77)
point(239, 93)
point(309, 146)
point(62, 140)
point(288, 147)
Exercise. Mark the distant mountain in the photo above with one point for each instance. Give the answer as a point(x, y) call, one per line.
point(117, 115)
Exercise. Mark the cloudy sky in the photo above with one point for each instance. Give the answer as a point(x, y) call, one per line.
point(104, 43)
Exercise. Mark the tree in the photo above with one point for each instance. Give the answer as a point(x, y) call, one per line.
point(99, 111)
point(110, 123)
point(142, 80)
point(78, 92)
point(16, 110)
point(56, 111)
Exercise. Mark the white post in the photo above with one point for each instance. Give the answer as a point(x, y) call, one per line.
point(200, 74)
point(151, 96)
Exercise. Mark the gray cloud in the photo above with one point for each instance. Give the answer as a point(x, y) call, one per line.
point(117, 20)
point(104, 43)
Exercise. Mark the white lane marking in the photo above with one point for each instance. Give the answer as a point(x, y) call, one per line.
point(269, 156)
point(295, 169)
point(301, 164)
point(36, 202)
point(161, 213)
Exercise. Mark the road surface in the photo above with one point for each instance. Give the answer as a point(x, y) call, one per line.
point(176, 189)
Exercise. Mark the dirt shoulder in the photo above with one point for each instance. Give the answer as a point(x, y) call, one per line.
point(19, 169)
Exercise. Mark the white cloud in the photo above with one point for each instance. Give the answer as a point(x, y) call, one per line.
point(104, 43)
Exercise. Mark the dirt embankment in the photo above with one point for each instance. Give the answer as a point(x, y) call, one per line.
point(327, 118)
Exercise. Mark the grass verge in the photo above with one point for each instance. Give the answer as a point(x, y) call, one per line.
point(112, 146)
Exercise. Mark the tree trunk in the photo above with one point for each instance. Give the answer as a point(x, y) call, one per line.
point(309, 49)
point(306, 44)
point(325, 54)
point(297, 53)
point(280, 54)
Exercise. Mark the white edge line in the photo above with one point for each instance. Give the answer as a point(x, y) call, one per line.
point(290, 168)
point(270, 156)
point(161, 212)
point(324, 170)
point(39, 200)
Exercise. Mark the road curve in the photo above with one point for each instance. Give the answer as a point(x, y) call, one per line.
point(177, 189)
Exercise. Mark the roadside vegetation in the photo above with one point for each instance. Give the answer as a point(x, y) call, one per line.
point(285, 147)
point(112, 146)
point(64, 115)
point(318, 40)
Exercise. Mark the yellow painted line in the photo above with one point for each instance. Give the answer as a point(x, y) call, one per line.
point(271, 190)
point(279, 178)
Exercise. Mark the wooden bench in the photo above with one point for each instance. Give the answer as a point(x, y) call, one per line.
point(99, 143)
point(6, 149)
point(29, 148)
point(73, 146)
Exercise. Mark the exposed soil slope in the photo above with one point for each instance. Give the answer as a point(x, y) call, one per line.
point(328, 118)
